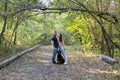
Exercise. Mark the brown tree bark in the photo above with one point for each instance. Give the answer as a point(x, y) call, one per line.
point(14, 33)
point(5, 22)
point(15, 37)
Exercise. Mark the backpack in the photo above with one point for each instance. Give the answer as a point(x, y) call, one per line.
point(60, 59)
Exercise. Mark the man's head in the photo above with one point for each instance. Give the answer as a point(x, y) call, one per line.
point(55, 33)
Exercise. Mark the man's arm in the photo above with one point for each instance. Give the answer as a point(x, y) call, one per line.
point(52, 43)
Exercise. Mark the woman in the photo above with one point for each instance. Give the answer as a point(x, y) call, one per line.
point(62, 49)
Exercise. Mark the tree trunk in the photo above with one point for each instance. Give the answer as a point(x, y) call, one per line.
point(15, 37)
point(5, 23)
point(102, 43)
point(13, 33)
point(111, 36)
point(107, 43)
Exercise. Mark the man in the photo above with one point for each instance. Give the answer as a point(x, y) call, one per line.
point(55, 45)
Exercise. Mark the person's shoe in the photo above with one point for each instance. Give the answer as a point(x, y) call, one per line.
point(65, 62)
point(54, 62)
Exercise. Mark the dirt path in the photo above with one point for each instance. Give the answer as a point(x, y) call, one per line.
point(37, 66)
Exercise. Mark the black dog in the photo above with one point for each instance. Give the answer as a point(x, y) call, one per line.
point(60, 59)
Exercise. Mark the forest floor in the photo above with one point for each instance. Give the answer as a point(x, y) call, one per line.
point(37, 65)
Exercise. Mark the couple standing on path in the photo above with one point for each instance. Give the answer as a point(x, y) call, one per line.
point(58, 44)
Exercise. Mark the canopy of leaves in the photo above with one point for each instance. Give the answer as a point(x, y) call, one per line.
point(92, 23)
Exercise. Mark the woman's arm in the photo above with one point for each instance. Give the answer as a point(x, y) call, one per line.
point(63, 44)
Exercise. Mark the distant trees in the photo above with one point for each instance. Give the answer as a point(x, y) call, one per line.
point(12, 14)
point(103, 12)
point(93, 22)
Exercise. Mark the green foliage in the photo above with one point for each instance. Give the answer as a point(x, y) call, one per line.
point(27, 28)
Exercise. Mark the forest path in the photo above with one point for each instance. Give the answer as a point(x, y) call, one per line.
point(37, 65)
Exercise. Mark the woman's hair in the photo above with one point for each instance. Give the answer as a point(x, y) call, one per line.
point(60, 37)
